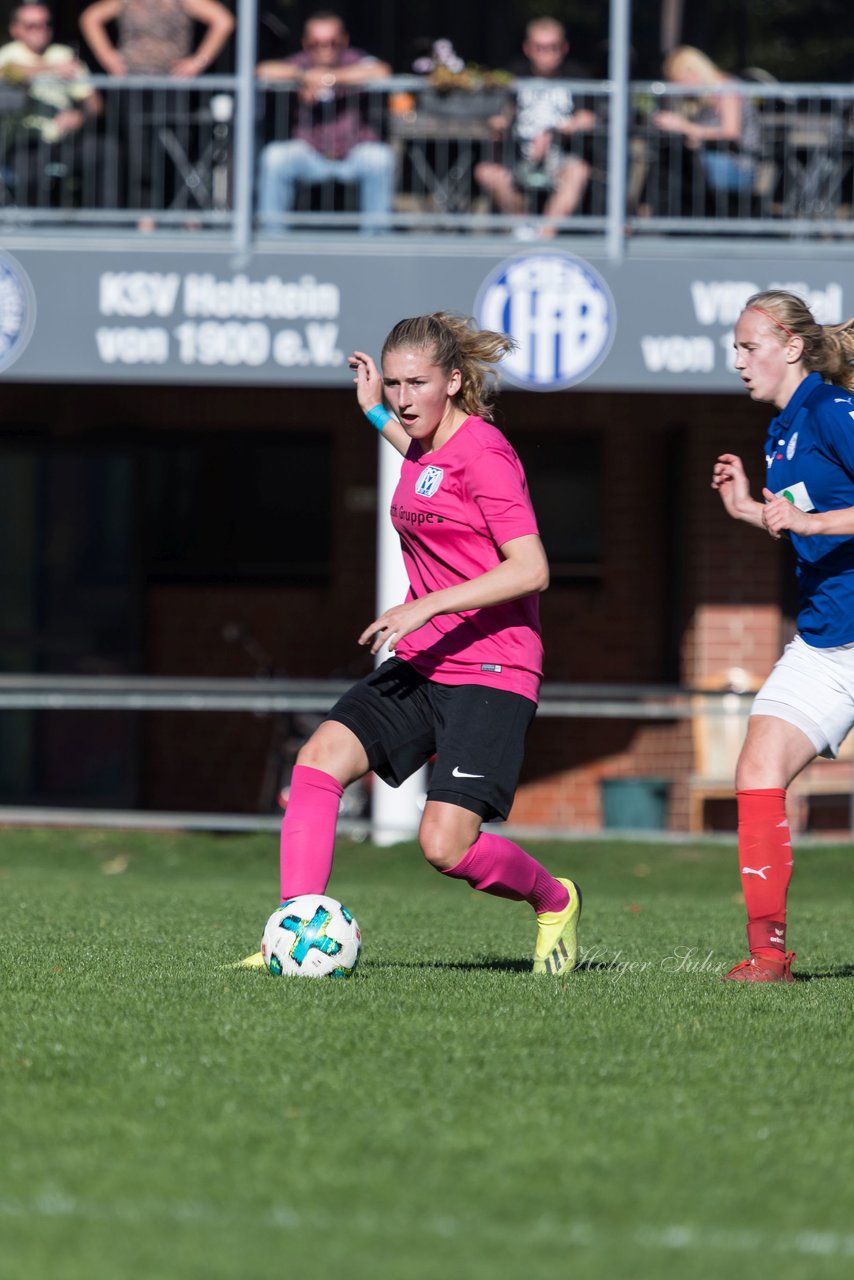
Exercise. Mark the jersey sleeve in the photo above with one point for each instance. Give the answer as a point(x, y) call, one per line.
point(834, 427)
point(498, 488)
point(832, 424)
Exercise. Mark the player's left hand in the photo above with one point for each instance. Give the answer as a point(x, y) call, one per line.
point(779, 514)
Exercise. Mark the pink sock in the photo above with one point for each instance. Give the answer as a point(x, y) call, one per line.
point(496, 865)
point(308, 832)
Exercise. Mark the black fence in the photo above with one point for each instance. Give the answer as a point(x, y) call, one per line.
point(154, 154)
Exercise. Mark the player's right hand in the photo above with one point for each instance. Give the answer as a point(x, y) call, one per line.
point(368, 380)
point(730, 480)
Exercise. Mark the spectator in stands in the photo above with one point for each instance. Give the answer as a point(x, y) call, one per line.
point(723, 127)
point(542, 117)
point(46, 143)
point(330, 139)
point(155, 37)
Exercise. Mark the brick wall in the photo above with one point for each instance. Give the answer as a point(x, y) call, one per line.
point(685, 594)
point(688, 596)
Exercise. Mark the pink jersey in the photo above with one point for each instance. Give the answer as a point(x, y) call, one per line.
point(453, 509)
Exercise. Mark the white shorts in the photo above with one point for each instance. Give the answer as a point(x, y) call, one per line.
point(813, 689)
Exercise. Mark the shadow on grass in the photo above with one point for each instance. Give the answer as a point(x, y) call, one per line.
point(843, 971)
point(508, 965)
point(515, 965)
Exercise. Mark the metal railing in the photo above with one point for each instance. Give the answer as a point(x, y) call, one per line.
point(288, 697)
point(721, 712)
point(273, 695)
point(158, 150)
point(796, 176)
point(166, 152)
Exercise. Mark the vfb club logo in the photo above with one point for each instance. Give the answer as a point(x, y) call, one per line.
point(17, 310)
point(558, 310)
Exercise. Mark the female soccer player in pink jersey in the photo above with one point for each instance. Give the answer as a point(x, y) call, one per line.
point(464, 675)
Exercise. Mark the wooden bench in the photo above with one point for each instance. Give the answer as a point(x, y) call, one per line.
point(719, 728)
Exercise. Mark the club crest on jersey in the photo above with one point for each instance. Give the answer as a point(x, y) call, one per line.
point(429, 481)
point(792, 446)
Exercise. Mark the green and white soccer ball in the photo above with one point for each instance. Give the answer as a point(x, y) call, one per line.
point(311, 936)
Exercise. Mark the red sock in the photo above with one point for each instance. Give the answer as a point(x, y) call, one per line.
point(308, 832)
point(765, 858)
point(496, 865)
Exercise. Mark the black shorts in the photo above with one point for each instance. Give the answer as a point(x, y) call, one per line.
point(477, 734)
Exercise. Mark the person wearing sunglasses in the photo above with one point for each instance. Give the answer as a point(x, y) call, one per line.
point(329, 137)
point(536, 128)
point(51, 150)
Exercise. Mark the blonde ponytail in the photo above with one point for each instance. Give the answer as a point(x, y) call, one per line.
point(454, 343)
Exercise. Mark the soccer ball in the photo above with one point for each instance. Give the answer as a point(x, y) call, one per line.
point(311, 936)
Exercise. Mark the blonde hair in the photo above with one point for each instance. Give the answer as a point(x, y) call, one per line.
point(828, 348)
point(454, 343)
point(686, 58)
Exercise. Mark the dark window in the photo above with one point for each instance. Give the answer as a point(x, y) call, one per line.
point(565, 480)
point(69, 607)
point(239, 507)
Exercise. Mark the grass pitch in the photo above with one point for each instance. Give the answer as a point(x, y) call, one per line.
point(441, 1114)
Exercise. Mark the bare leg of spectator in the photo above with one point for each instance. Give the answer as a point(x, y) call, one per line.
point(497, 181)
point(572, 182)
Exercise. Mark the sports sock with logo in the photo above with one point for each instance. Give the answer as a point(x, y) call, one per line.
point(496, 865)
point(308, 831)
point(765, 859)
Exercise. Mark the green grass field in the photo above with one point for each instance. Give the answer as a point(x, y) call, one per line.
point(443, 1113)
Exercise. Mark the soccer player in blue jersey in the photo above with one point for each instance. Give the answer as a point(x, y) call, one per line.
point(806, 706)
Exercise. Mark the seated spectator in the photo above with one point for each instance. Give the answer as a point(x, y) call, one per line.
point(722, 127)
point(154, 38)
point(330, 140)
point(47, 146)
point(536, 125)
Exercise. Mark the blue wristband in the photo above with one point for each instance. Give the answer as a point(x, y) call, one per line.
point(379, 416)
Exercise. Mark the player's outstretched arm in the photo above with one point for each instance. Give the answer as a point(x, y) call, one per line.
point(730, 480)
point(369, 392)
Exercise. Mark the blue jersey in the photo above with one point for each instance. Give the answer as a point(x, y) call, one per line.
point(809, 455)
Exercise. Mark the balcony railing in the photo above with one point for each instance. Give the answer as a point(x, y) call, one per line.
point(163, 154)
point(797, 174)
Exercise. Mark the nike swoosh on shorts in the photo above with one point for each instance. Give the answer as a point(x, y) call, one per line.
point(456, 773)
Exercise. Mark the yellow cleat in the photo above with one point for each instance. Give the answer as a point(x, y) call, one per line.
point(556, 952)
point(255, 961)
